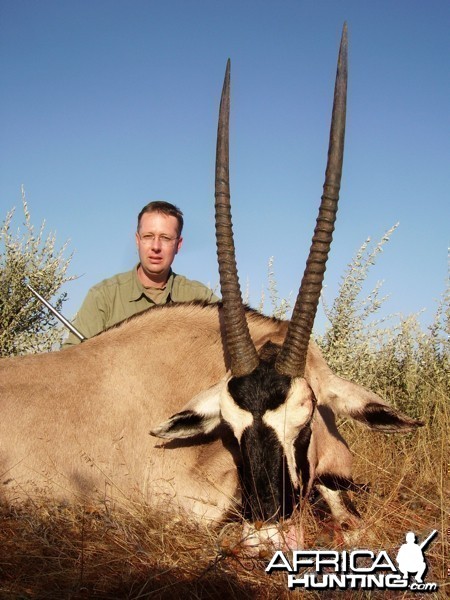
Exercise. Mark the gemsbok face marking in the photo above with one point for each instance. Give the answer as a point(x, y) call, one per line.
point(74, 424)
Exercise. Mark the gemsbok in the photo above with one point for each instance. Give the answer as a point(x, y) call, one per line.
point(246, 403)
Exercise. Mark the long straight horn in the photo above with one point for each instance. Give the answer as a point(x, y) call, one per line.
point(244, 358)
point(292, 357)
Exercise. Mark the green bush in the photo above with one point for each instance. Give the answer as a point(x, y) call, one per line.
point(399, 360)
point(25, 325)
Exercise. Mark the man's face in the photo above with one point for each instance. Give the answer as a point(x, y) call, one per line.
point(157, 242)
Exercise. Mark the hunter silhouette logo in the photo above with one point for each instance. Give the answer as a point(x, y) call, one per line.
point(357, 569)
point(410, 557)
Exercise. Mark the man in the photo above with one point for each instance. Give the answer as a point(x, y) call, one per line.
point(151, 282)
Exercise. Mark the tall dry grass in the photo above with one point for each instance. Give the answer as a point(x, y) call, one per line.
point(77, 552)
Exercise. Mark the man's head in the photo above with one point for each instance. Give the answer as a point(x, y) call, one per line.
point(158, 239)
point(164, 208)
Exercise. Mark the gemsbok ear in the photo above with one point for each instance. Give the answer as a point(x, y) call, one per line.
point(350, 399)
point(382, 417)
point(201, 415)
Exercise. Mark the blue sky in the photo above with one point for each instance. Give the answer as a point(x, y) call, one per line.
point(108, 104)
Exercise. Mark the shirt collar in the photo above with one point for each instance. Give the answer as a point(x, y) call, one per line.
point(138, 290)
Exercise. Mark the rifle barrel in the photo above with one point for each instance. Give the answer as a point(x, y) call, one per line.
point(57, 314)
point(429, 538)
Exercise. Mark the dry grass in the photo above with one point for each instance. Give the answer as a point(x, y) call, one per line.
point(77, 553)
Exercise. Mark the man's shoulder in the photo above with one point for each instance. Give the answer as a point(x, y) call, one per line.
point(118, 280)
point(185, 289)
point(182, 281)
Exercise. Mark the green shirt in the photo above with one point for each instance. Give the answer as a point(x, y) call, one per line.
point(122, 296)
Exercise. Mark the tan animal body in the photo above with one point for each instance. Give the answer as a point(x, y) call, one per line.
point(76, 423)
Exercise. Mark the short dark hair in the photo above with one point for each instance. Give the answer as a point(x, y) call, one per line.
point(166, 208)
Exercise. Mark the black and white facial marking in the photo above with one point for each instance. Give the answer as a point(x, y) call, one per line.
point(266, 412)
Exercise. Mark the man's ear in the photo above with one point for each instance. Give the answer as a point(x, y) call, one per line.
point(350, 399)
point(200, 416)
